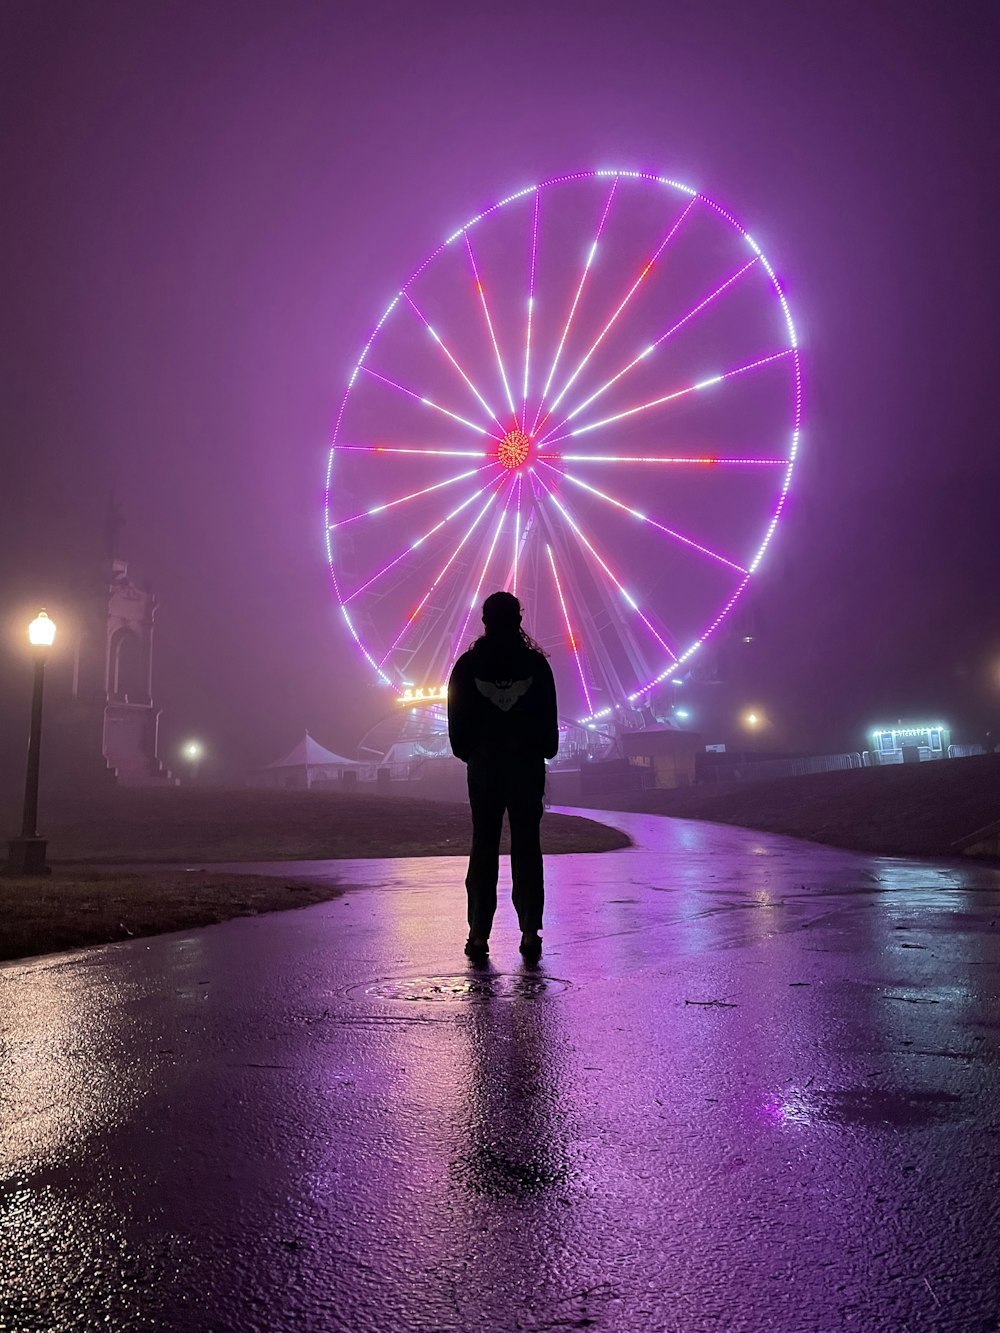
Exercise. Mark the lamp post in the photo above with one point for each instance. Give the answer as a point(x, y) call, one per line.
point(26, 855)
point(193, 752)
point(754, 721)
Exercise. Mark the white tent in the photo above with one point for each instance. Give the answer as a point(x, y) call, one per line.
point(308, 763)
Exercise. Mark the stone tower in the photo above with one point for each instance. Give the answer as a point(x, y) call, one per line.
point(113, 675)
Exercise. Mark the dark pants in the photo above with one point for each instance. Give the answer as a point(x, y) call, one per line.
point(515, 785)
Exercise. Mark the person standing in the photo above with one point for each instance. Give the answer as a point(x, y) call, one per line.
point(503, 724)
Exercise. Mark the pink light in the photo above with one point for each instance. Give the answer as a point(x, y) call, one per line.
point(517, 530)
point(428, 402)
point(380, 509)
point(400, 449)
point(678, 393)
point(531, 307)
point(475, 596)
point(573, 641)
point(413, 545)
point(677, 536)
point(440, 342)
point(708, 460)
point(441, 573)
point(357, 639)
point(688, 652)
point(628, 296)
point(629, 599)
point(576, 299)
point(489, 324)
point(662, 339)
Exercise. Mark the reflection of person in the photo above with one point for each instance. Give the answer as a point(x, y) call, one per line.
point(513, 1112)
point(502, 722)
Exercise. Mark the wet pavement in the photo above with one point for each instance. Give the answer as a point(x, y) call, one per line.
point(753, 1085)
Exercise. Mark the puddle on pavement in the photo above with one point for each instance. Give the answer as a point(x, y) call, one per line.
point(868, 1108)
point(466, 986)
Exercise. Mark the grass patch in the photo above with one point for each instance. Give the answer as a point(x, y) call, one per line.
point(903, 810)
point(86, 901)
point(73, 908)
point(148, 825)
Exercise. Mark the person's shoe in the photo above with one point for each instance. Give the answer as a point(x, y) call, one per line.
point(476, 947)
point(531, 944)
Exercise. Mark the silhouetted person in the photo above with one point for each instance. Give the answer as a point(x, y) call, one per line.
point(502, 722)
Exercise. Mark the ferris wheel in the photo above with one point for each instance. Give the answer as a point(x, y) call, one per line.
point(590, 395)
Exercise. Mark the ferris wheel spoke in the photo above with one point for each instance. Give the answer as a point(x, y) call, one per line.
point(574, 642)
point(489, 324)
point(623, 303)
point(415, 545)
point(648, 351)
point(444, 348)
point(517, 532)
point(652, 522)
point(409, 449)
point(703, 460)
point(440, 575)
point(460, 639)
point(708, 383)
point(627, 596)
point(429, 402)
point(531, 308)
point(413, 495)
point(576, 301)
point(607, 595)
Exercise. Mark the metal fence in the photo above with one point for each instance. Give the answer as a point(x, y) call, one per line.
point(761, 769)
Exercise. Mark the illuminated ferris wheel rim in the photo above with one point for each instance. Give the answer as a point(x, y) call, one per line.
point(514, 446)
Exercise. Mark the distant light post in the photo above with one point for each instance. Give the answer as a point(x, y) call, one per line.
point(193, 752)
point(26, 854)
point(753, 719)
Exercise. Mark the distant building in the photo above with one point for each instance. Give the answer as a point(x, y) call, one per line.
point(909, 742)
point(666, 753)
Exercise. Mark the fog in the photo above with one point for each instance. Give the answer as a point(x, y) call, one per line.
point(207, 207)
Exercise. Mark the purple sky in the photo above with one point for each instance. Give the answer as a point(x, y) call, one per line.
point(206, 207)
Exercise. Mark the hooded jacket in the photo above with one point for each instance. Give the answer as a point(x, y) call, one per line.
point(502, 701)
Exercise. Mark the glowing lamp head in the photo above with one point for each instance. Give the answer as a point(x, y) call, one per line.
point(513, 449)
point(752, 720)
point(193, 751)
point(42, 631)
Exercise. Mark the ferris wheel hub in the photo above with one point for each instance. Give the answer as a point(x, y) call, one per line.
point(513, 449)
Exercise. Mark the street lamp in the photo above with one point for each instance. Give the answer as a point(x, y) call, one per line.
point(26, 854)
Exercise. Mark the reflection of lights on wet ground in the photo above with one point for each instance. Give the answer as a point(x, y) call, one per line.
point(788, 1108)
point(863, 1107)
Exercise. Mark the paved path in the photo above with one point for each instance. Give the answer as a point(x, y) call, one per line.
point(752, 1086)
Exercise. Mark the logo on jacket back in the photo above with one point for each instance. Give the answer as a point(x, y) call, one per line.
point(503, 693)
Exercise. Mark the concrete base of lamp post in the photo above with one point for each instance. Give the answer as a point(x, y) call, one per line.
point(26, 856)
